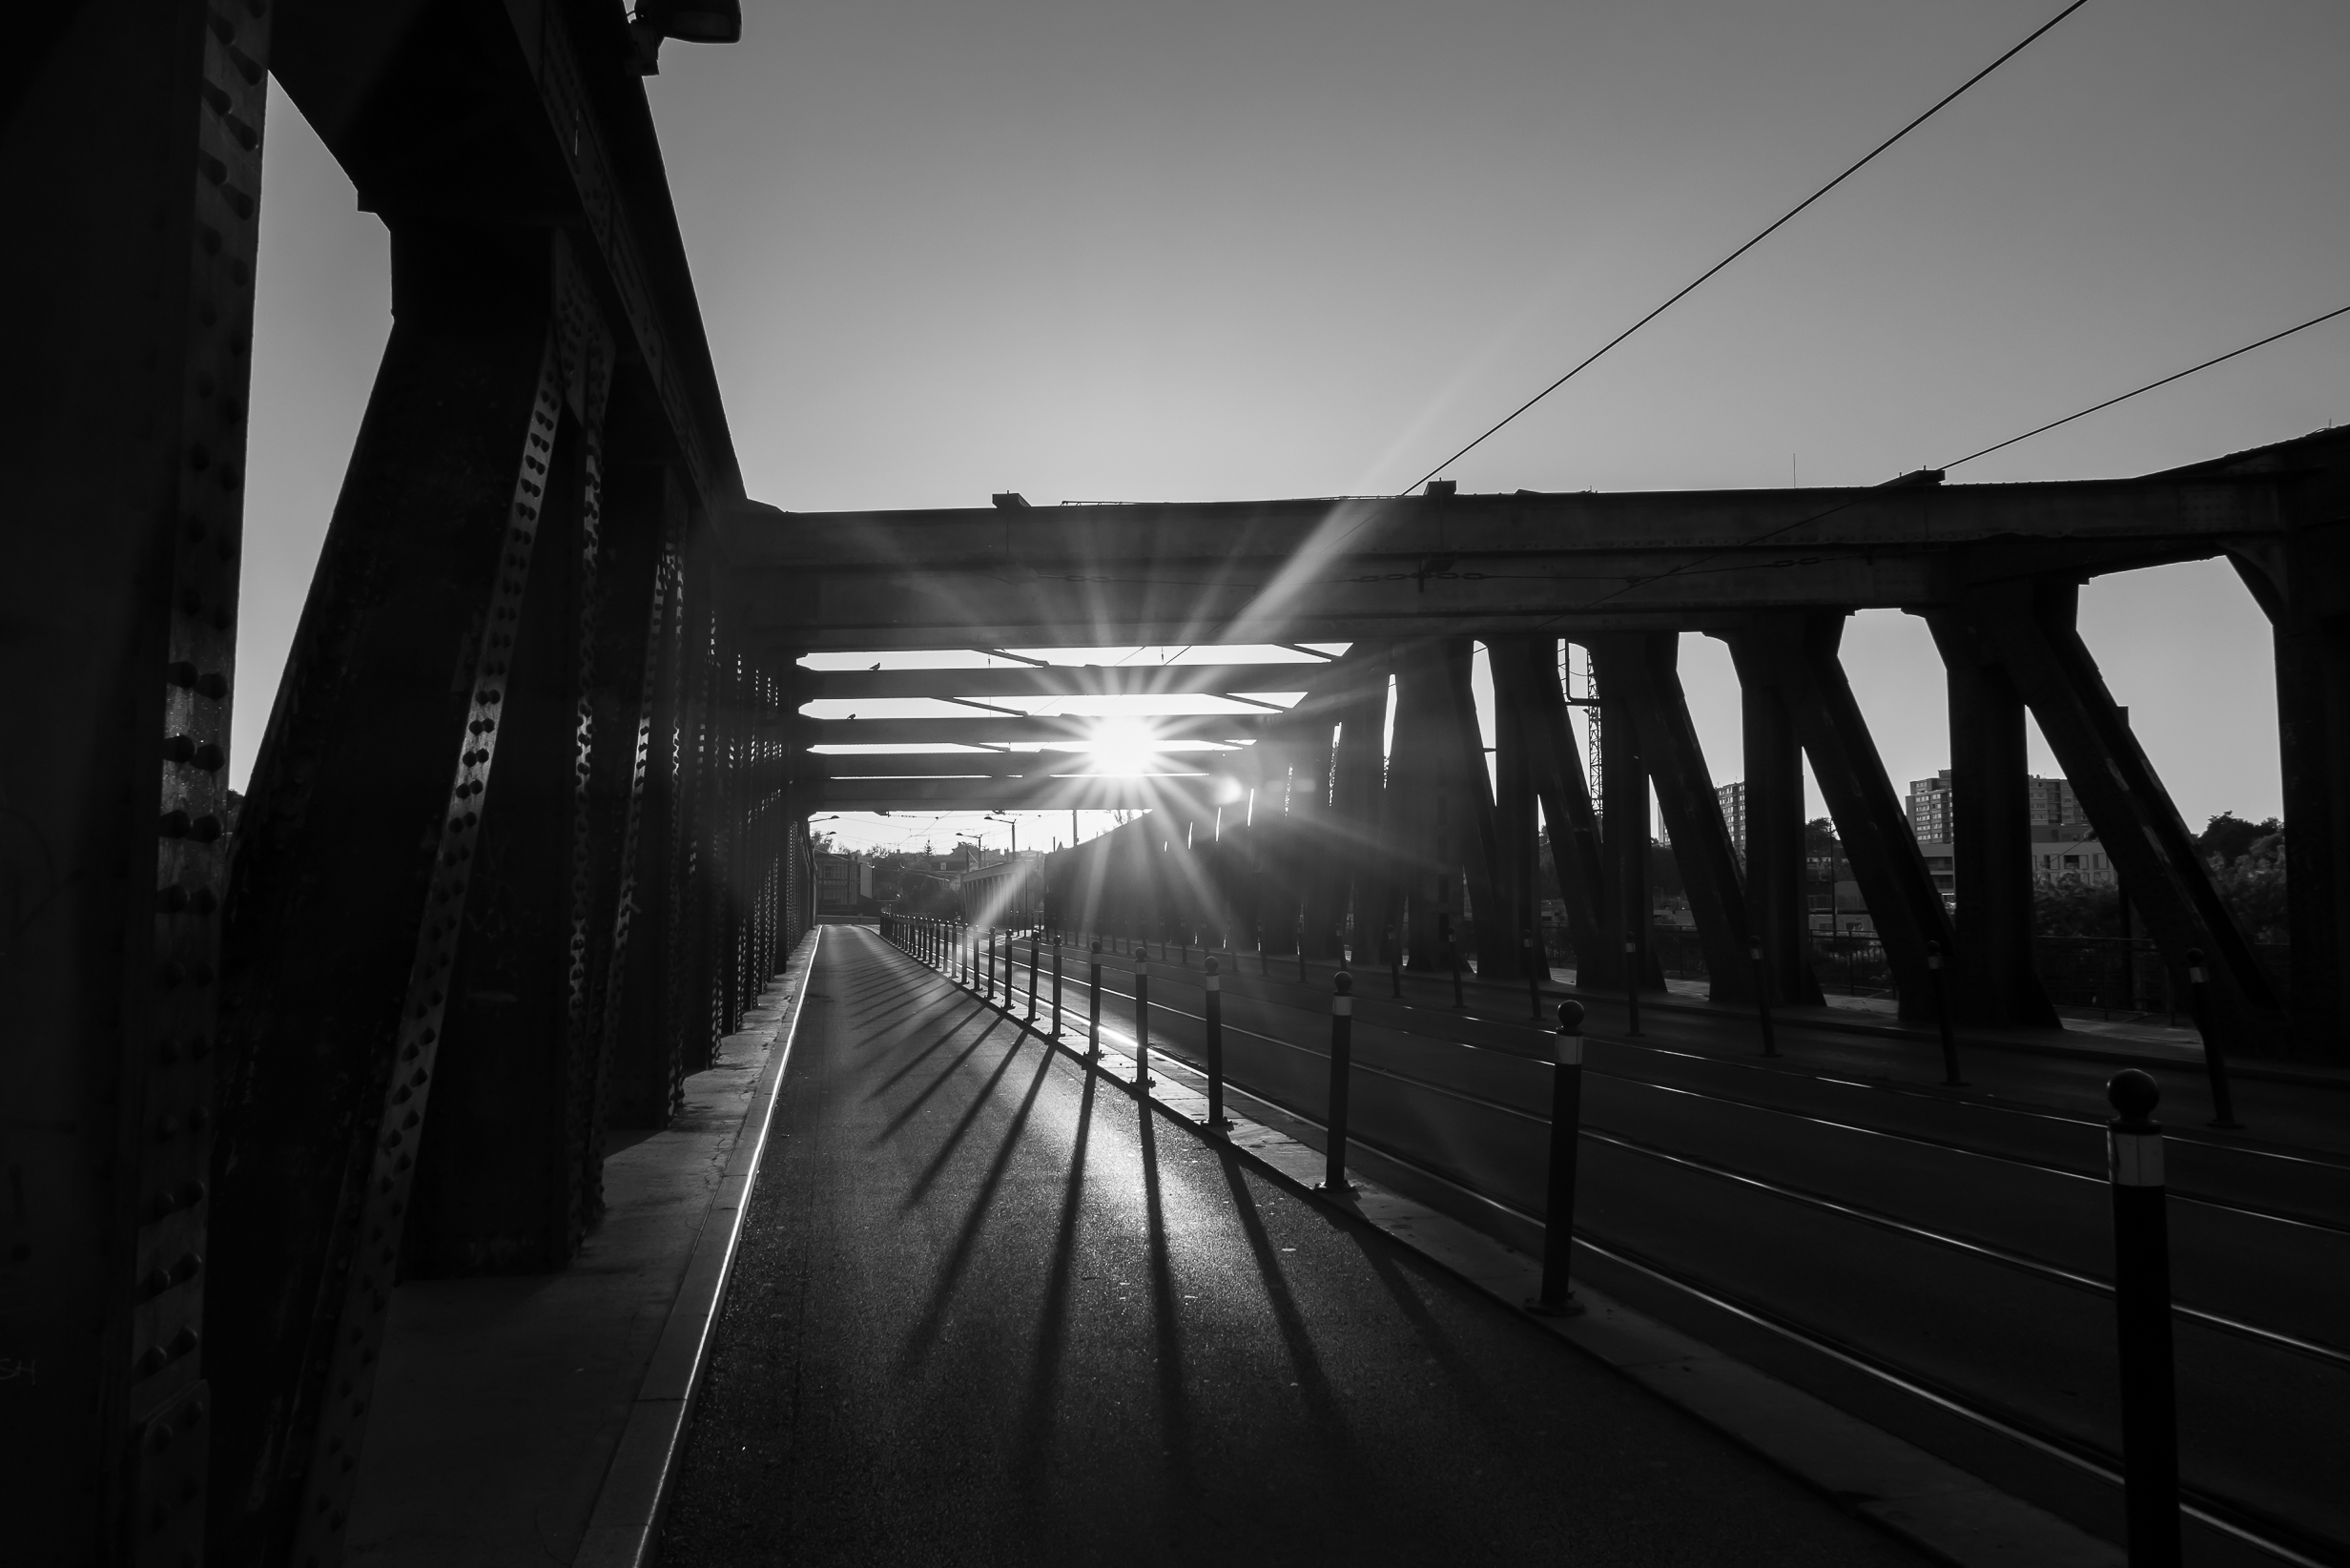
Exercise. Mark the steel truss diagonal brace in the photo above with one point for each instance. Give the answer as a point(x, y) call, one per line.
point(1526, 679)
point(373, 1243)
point(1668, 743)
point(1796, 655)
point(2029, 627)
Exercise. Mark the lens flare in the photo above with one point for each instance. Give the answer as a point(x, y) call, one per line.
point(1124, 747)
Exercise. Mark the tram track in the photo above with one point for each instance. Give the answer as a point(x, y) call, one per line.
point(1796, 1076)
point(1498, 1194)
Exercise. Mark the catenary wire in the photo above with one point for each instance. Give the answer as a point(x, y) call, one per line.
point(1784, 219)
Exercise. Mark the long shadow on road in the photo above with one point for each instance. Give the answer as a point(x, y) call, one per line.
point(995, 1317)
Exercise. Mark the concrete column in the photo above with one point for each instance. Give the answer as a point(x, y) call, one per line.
point(2031, 628)
point(2304, 586)
point(1625, 826)
point(1774, 869)
point(1425, 814)
point(1992, 978)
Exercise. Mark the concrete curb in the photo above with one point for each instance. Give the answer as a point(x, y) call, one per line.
point(624, 1532)
point(1942, 1510)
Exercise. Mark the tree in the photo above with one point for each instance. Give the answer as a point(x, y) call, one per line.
point(2230, 838)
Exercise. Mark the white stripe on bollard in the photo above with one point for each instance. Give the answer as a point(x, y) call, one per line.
point(2134, 1159)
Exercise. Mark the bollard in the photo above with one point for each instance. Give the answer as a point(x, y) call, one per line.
point(1762, 1000)
point(1451, 953)
point(1557, 1297)
point(1034, 937)
point(1394, 966)
point(1093, 1014)
point(1534, 973)
point(1342, 1059)
point(1942, 1016)
point(1056, 989)
point(1141, 1022)
point(2142, 1320)
point(1213, 1008)
point(1632, 986)
point(2214, 1065)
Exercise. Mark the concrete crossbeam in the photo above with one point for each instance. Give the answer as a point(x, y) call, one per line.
point(1484, 565)
point(1008, 732)
point(1057, 794)
point(1055, 681)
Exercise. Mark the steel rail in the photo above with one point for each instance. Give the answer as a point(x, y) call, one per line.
point(2315, 1349)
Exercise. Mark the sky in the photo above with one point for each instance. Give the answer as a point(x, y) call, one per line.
point(1148, 251)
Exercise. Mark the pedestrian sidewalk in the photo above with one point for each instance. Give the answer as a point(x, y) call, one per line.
point(499, 1403)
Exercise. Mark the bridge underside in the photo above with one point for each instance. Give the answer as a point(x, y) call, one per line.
point(526, 832)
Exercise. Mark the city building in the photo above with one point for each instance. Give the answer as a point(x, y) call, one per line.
point(1733, 798)
point(2063, 844)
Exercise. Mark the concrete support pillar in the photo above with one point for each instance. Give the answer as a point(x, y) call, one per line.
point(1774, 858)
point(2303, 584)
point(1517, 884)
point(1478, 847)
point(1425, 814)
point(1624, 826)
point(1797, 654)
point(1992, 978)
point(2031, 629)
point(1348, 839)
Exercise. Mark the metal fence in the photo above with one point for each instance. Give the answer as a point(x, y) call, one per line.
point(2111, 976)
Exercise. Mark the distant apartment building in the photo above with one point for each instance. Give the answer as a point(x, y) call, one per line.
point(2063, 844)
point(1733, 798)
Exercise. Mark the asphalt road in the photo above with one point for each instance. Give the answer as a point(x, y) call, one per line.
point(987, 1311)
point(1956, 1238)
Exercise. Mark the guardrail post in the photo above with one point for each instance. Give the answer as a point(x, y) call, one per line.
point(1093, 1014)
point(1056, 987)
point(1942, 1014)
point(1394, 966)
point(1035, 938)
point(1342, 1061)
point(2142, 1320)
point(1632, 986)
point(1557, 1297)
point(1141, 1022)
point(1762, 1000)
point(1213, 1008)
point(2214, 1065)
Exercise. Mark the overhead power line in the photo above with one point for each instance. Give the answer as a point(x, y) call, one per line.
point(1769, 534)
point(1692, 287)
point(2149, 387)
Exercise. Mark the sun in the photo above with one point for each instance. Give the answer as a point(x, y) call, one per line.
point(1124, 747)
